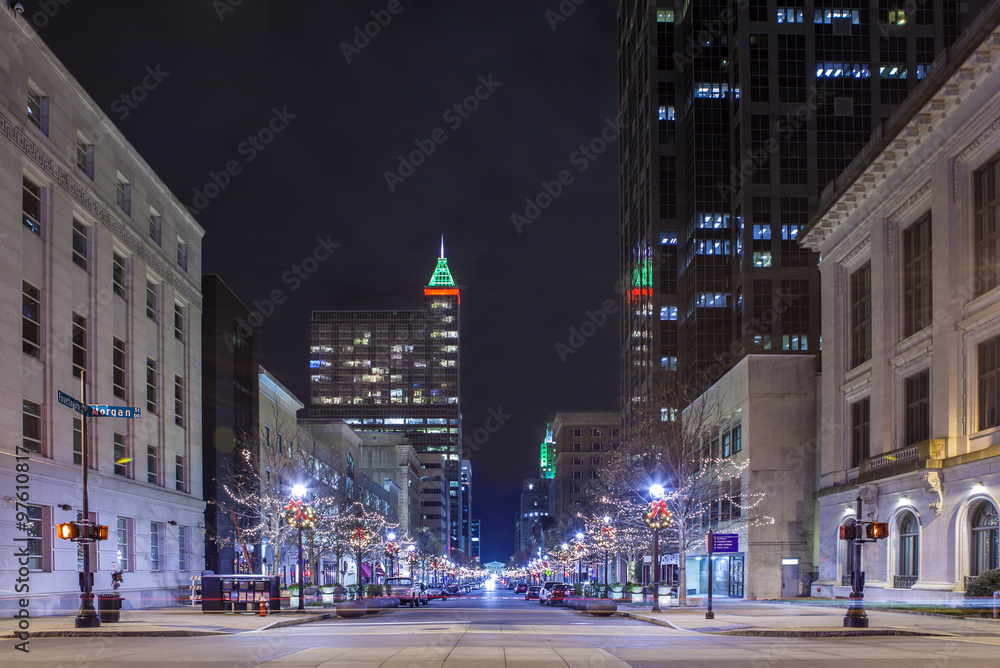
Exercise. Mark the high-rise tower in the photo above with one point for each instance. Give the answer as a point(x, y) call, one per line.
point(396, 371)
point(734, 118)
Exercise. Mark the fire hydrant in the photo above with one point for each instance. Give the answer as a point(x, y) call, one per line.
point(263, 608)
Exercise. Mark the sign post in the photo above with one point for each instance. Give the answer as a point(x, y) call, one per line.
point(718, 542)
point(87, 617)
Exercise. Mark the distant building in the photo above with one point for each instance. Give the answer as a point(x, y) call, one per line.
point(465, 507)
point(534, 514)
point(392, 459)
point(582, 440)
point(396, 371)
point(230, 394)
point(434, 505)
point(910, 402)
point(548, 454)
point(106, 265)
point(475, 538)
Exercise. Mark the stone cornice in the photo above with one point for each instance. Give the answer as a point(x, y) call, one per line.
point(914, 199)
point(89, 201)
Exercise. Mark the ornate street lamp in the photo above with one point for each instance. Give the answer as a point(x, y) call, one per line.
point(656, 516)
point(360, 540)
point(300, 515)
point(391, 552)
point(579, 556)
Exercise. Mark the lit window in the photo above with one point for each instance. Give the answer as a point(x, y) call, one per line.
point(668, 238)
point(668, 313)
point(155, 537)
point(668, 363)
point(711, 90)
point(31, 206)
point(794, 342)
point(762, 259)
point(665, 114)
point(664, 16)
point(123, 544)
point(761, 231)
point(38, 110)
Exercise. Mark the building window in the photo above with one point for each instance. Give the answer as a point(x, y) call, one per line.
point(737, 438)
point(118, 274)
point(182, 548)
point(577, 432)
point(182, 255)
point(151, 300)
point(31, 322)
point(155, 537)
point(179, 322)
point(989, 392)
point(118, 368)
point(860, 431)
point(78, 441)
point(918, 403)
point(85, 157)
point(155, 227)
point(34, 538)
point(597, 432)
point(31, 206)
point(909, 564)
point(596, 447)
point(727, 444)
point(987, 230)
point(861, 315)
point(595, 461)
point(152, 469)
point(985, 540)
point(124, 544)
point(178, 400)
point(577, 475)
point(79, 244)
point(122, 460)
point(79, 345)
point(32, 426)
point(917, 276)
point(38, 110)
point(578, 447)
point(151, 385)
point(179, 473)
point(578, 461)
point(123, 195)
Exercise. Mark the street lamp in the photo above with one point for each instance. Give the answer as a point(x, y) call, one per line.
point(391, 551)
point(300, 515)
point(606, 540)
point(656, 516)
point(579, 557)
point(565, 554)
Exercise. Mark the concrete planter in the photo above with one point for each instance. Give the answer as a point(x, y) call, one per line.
point(350, 609)
point(601, 607)
point(373, 605)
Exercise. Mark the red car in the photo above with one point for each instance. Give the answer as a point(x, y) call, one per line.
point(521, 588)
point(557, 595)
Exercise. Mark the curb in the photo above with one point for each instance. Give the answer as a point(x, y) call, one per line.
point(649, 620)
point(829, 633)
point(87, 633)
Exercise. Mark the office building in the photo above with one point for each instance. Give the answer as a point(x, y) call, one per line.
point(533, 517)
point(106, 264)
point(909, 399)
point(475, 538)
point(581, 442)
point(396, 371)
point(734, 118)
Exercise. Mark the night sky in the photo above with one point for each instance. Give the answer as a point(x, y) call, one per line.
point(228, 69)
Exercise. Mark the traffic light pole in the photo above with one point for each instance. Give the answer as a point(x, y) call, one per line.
point(87, 617)
point(856, 617)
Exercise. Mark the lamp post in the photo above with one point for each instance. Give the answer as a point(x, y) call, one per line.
point(606, 540)
point(391, 550)
point(656, 516)
point(299, 515)
point(579, 557)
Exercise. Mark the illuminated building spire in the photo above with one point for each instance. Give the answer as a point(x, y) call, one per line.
point(442, 275)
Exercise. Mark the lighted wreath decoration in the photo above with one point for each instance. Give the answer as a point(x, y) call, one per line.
point(657, 515)
point(300, 515)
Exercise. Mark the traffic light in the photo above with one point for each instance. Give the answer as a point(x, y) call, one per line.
point(69, 531)
point(877, 530)
point(98, 532)
point(849, 532)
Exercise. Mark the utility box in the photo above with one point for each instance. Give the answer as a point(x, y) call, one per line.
point(239, 593)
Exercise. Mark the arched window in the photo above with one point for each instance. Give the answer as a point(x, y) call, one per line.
point(985, 539)
point(908, 568)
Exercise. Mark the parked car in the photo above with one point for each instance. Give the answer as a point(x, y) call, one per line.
point(436, 591)
point(544, 591)
point(532, 592)
point(453, 590)
point(408, 592)
point(521, 588)
point(557, 595)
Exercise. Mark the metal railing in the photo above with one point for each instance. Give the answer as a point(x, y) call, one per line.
point(918, 455)
point(904, 581)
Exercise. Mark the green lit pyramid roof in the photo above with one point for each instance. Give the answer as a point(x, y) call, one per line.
point(442, 275)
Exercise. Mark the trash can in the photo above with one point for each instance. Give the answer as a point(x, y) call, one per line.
point(109, 608)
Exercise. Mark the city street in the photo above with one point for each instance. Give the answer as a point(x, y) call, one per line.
point(495, 628)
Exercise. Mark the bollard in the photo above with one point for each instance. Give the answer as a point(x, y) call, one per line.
point(996, 595)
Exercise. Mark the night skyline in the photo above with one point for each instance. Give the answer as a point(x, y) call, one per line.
point(257, 122)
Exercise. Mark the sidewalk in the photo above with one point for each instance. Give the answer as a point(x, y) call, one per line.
point(779, 619)
point(166, 622)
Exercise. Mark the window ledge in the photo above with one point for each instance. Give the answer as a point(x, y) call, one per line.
point(913, 341)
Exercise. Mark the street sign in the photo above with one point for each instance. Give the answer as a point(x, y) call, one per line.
point(725, 542)
point(67, 400)
point(114, 411)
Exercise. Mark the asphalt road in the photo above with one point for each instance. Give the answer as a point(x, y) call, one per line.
point(495, 628)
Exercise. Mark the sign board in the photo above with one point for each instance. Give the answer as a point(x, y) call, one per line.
point(114, 411)
point(67, 400)
point(725, 542)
